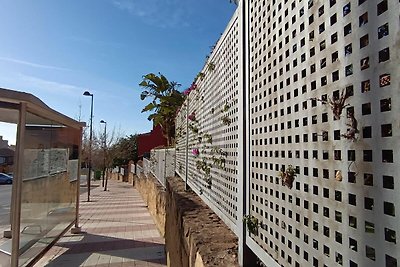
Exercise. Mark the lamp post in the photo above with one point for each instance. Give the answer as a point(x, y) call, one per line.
point(86, 93)
point(105, 151)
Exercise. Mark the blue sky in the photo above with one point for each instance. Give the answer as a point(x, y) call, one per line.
point(58, 49)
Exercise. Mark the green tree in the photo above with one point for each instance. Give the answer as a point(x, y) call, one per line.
point(166, 100)
point(124, 150)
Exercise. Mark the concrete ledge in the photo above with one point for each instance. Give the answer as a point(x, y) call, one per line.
point(195, 235)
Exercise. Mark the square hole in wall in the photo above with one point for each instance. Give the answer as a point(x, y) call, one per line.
point(388, 182)
point(389, 208)
point(386, 130)
point(352, 199)
point(387, 156)
point(348, 49)
point(365, 86)
point(368, 203)
point(368, 179)
point(384, 80)
point(382, 7)
point(364, 63)
point(364, 41)
point(353, 221)
point(390, 261)
point(363, 19)
point(386, 104)
point(369, 227)
point(347, 29)
point(352, 244)
point(384, 55)
point(367, 155)
point(351, 177)
point(366, 109)
point(370, 253)
point(383, 31)
point(367, 132)
point(390, 235)
point(346, 9)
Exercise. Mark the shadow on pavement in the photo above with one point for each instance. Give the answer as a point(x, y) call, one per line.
point(79, 251)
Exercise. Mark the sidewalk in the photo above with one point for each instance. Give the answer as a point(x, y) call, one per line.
point(117, 230)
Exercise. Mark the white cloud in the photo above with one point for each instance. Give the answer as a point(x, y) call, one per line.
point(27, 63)
point(160, 13)
point(50, 86)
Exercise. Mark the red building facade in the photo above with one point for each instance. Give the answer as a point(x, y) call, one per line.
point(148, 141)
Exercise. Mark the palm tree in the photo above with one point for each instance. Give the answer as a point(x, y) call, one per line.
point(166, 100)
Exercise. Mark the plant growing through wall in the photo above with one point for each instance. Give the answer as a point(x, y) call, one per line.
point(211, 66)
point(251, 223)
point(336, 103)
point(200, 76)
point(226, 120)
point(353, 130)
point(287, 176)
point(193, 128)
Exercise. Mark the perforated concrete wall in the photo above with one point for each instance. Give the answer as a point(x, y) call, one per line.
point(322, 107)
point(213, 127)
point(324, 98)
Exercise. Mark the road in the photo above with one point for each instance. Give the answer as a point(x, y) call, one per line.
point(5, 200)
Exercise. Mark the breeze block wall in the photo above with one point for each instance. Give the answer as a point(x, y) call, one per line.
point(210, 119)
point(324, 111)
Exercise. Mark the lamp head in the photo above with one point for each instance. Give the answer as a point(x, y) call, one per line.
point(103, 121)
point(86, 93)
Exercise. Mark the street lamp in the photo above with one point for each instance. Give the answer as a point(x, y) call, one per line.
point(86, 93)
point(105, 151)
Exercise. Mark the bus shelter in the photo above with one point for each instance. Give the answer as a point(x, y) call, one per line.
point(45, 190)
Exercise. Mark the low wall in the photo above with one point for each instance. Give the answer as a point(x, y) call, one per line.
point(195, 236)
point(154, 195)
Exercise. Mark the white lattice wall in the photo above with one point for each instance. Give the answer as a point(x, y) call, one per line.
point(213, 127)
point(343, 207)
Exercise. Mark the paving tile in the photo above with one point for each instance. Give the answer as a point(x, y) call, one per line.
point(118, 231)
